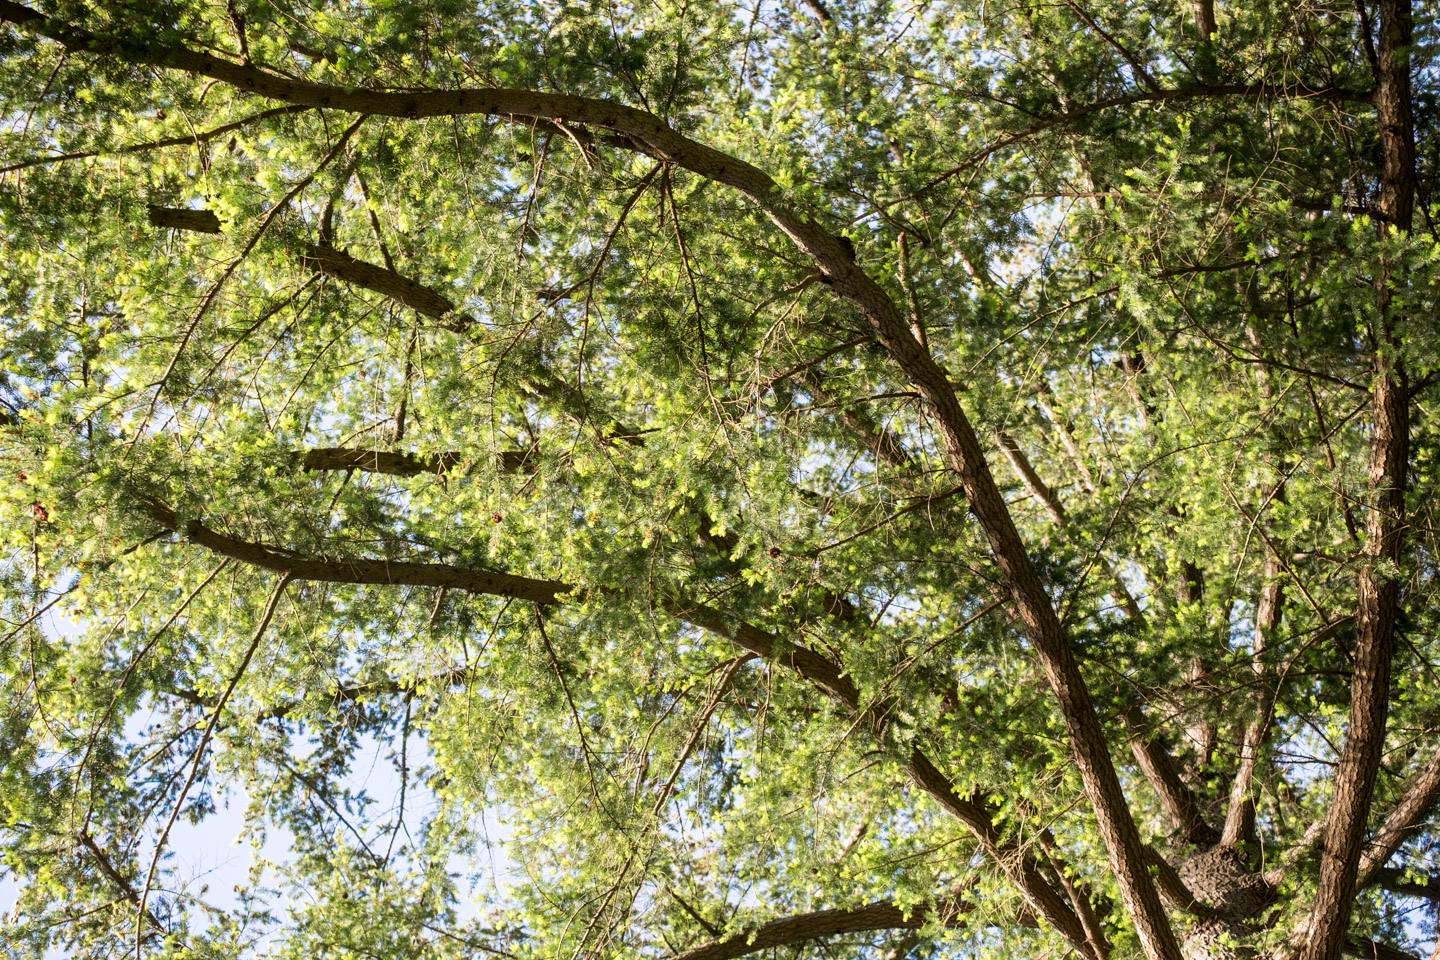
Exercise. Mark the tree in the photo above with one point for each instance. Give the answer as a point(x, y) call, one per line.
point(866, 480)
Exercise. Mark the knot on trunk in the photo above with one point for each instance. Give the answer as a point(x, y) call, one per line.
point(1222, 880)
point(1236, 897)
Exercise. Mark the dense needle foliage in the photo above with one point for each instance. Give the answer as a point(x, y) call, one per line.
point(848, 479)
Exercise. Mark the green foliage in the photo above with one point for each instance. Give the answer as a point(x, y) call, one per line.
point(645, 391)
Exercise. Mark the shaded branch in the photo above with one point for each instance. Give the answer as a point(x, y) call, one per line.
point(801, 927)
point(400, 464)
point(1176, 798)
point(1414, 808)
point(1374, 950)
point(1393, 881)
point(386, 282)
point(183, 218)
point(357, 570)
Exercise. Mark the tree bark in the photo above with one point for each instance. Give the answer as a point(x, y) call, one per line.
point(1379, 588)
point(817, 924)
point(1414, 806)
point(1240, 812)
point(357, 570)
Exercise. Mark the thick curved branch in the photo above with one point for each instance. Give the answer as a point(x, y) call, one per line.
point(817, 924)
point(651, 135)
point(386, 282)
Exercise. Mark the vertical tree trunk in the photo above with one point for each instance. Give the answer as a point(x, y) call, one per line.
point(1378, 589)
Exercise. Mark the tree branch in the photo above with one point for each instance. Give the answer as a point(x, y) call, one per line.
point(1374, 950)
point(799, 928)
point(647, 133)
point(418, 297)
point(1414, 807)
point(976, 811)
point(1240, 813)
point(399, 464)
point(1379, 588)
point(118, 879)
point(1393, 881)
point(358, 570)
point(201, 137)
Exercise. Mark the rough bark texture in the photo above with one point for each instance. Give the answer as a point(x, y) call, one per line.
point(1235, 902)
point(1325, 935)
point(812, 926)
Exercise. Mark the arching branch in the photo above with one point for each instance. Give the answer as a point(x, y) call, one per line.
point(803, 927)
point(649, 134)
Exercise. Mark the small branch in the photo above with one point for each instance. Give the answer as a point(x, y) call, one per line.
point(199, 755)
point(1240, 813)
point(1129, 58)
point(399, 464)
point(202, 137)
point(817, 10)
point(127, 890)
point(1393, 881)
point(386, 282)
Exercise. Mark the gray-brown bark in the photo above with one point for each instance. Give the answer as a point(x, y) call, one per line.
point(1326, 932)
point(816, 925)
